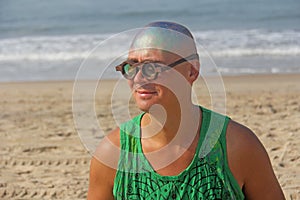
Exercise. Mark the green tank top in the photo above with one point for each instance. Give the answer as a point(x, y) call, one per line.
point(207, 177)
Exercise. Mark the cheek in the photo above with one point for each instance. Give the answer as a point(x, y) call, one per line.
point(162, 92)
point(130, 84)
point(167, 94)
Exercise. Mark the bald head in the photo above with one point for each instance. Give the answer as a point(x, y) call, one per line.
point(171, 26)
point(166, 36)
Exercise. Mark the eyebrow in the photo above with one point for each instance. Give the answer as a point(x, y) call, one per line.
point(146, 60)
point(132, 60)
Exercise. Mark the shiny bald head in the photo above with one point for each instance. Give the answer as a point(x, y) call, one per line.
point(166, 36)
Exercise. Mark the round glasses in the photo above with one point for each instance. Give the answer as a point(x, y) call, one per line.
point(150, 70)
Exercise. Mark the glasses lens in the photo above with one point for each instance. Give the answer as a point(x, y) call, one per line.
point(149, 70)
point(129, 71)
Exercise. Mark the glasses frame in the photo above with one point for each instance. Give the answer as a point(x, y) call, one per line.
point(157, 66)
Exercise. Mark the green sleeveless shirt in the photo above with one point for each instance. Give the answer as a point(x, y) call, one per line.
point(207, 177)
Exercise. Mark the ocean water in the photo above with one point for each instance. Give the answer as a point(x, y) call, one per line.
point(50, 40)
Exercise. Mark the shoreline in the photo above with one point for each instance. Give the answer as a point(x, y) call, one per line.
point(224, 76)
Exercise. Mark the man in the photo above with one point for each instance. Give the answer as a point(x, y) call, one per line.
point(175, 149)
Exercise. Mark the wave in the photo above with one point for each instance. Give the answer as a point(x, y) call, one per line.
point(219, 43)
point(49, 48)
point(290, 51)
point(59, 57)
point(250, 42)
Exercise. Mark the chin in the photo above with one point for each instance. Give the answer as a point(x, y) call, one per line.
point(144, 104)
point(145, 107)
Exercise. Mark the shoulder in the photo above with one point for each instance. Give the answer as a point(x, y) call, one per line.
point(241, 138)
point(250, 163)
point(103, 167)
point(243, 147)
point(241, 143)
point(108, 149)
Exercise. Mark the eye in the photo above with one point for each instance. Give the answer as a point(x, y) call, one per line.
point(129, 70)
point(149, 69)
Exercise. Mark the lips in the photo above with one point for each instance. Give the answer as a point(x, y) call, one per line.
point(145, 94)
point(145, 91)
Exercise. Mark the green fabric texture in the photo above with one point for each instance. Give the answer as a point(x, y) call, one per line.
point(207, 177)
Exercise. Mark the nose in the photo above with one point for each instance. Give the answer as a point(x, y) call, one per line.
point(139, 77)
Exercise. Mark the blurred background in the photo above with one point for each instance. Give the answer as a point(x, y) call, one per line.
point(48, 40)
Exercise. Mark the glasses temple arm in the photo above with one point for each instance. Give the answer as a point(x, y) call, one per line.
point(193, 56)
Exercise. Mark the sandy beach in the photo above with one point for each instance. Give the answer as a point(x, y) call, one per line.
point(42, 156)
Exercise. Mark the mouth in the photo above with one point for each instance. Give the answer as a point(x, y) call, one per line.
point(145, 91)
point(145, 94)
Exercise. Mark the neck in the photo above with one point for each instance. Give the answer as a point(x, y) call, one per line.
point(163, 125)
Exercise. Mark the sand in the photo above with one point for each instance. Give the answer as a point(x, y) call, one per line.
point(42, 156)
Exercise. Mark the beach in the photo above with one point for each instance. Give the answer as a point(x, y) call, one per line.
point(42, 156)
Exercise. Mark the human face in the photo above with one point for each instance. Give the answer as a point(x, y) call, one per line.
point(147, 92)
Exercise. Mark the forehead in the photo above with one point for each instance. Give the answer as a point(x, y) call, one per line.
point(141, 55)
point(165, 40)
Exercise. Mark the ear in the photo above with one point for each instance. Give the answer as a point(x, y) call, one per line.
point(194, 70)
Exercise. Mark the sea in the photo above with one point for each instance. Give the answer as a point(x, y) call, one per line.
point(54, 40)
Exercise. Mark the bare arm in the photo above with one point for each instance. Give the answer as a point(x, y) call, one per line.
point(101, 184)
point(250, 164)
point(103, 168)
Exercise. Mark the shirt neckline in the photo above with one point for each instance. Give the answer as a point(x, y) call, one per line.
point(202, 133)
